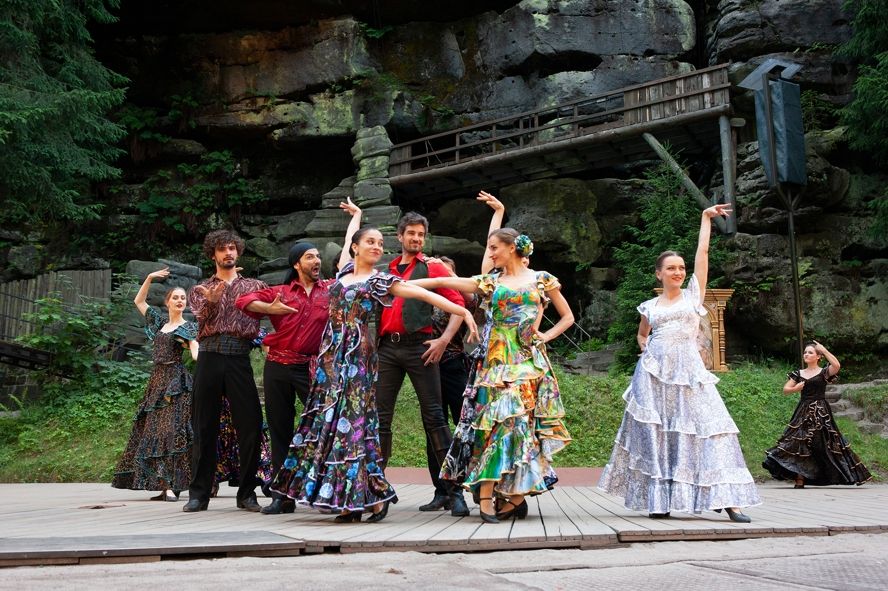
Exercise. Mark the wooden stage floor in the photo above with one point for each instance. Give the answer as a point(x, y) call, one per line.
point(91, 522)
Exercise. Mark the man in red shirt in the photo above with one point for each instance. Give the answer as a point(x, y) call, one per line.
point(407, 346)
point(299, 310)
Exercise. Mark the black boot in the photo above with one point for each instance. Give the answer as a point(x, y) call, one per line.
point(458, 507)
point(279, 505)
point(440, 501)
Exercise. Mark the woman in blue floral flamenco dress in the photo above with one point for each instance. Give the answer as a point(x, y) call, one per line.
point(334, 462)
point(677, 447)
point(812, 449)
point(158, 453)
point(517, 419)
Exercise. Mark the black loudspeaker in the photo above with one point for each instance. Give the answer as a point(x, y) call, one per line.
point(789, 133)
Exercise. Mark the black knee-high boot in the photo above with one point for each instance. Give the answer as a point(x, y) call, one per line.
point(441, 438)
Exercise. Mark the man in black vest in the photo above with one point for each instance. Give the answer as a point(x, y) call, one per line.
point(408, 347)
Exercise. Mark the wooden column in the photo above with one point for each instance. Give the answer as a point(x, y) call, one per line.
point(711, 339)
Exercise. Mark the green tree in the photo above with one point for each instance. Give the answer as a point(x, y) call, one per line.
point(867, 114)
point(55, 137)
point(669, 220)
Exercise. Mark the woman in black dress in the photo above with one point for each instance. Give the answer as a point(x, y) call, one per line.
point(811, 449)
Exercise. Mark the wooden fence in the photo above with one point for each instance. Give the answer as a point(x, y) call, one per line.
point(17, 298)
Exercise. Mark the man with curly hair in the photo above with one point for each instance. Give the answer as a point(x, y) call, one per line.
point(223, 368)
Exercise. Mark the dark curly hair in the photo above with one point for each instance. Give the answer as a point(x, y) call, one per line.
point(218, 238)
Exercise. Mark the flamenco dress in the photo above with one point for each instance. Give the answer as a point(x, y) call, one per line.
point(677, 447)
point(335, 462)
point(512, 418)
point(812, 445)
point(158, 453)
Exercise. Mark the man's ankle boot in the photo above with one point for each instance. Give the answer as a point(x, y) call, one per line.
point(440, 501)
point(458, 507)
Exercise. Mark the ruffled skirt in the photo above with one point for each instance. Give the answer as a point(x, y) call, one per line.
point(334, 462)
point(677, 447)
point(511, 426)
point(813, 447)
point(158, 453)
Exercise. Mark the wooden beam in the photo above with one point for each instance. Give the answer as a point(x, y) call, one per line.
point(685, 179)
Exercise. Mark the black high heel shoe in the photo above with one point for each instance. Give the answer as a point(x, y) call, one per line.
point(350, 517)
point(736, 515)
point(487, 517)
point(380, 515)
point(517, 511)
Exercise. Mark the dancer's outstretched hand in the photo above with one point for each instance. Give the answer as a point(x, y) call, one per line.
point(349, 207)
point(472, 335)
point(161, 274)
point(490, 200)
point(718, 210)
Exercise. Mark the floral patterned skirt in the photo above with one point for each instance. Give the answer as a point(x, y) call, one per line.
point(158, 453)
point(334, 463)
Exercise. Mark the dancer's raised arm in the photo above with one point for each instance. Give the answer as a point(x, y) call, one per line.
point(353, 225)
point(496, 222)
point(701, 259)
point(141, 299)
point(834, 365)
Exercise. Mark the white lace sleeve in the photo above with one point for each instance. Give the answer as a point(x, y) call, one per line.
point(692, 293)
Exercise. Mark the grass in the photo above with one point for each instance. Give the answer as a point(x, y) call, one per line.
point(873, 401)
point(80, 441)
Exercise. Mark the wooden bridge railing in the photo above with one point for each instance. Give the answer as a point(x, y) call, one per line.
point(660, 99)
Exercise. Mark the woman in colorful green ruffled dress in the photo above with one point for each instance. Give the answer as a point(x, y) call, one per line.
point(518, 415)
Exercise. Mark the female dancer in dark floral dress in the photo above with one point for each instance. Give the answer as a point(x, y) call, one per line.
point(811, 449)
point(158, 454)
point(334, 462)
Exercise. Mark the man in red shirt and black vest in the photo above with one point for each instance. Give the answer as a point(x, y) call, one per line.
point(299, 310)
point(407, 346)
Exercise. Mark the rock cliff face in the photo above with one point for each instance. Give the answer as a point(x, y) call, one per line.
point(312, 99)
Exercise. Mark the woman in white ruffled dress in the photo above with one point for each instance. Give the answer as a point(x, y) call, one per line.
point(677, 447)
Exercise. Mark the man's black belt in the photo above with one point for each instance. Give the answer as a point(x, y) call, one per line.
point(407, 338)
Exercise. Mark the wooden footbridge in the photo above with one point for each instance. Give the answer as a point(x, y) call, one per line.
point(689, 111)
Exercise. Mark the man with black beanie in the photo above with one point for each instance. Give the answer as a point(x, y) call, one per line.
point(299, 310)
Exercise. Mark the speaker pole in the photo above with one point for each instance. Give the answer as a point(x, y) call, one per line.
point(790, 202)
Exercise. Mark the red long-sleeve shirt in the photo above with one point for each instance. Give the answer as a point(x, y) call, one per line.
point(296, 337)
point(392, 320)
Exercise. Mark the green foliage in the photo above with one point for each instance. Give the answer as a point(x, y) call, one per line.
point(78, 427)
point(76, 335)
point(817, 112)
point(866, 116)
point(55, 137)
point(670, 220)
point(374, 33)
point(191, 199)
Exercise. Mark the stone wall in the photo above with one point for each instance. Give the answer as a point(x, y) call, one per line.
point(311, 105)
